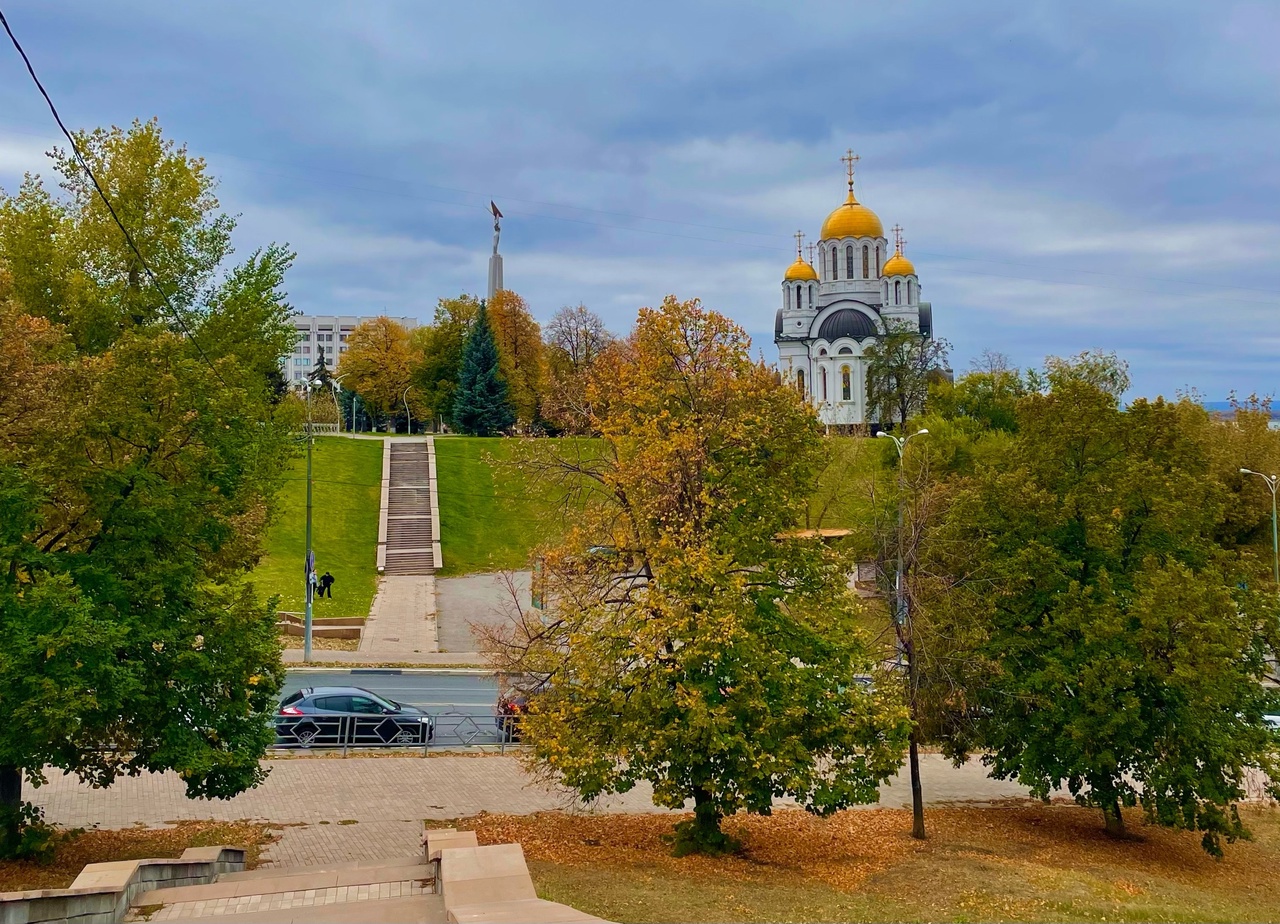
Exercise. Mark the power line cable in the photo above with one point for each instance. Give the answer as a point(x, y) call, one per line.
point(84, 165)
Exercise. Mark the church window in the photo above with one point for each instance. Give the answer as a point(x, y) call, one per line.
point(800, 381)
point(848, 262)
point(877, 259)
point(810, 295)
point(845, 351)
point(846, 384)
point(909, 291)
point(885, 294)
point(822, 261)
point(897, 293)
point(835, 263)
point(866, 261)
point(797, 298)
point(824, 383)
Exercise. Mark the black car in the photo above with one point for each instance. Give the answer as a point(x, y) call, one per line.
point(351, 716)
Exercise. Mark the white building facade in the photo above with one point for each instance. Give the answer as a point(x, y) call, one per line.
point(327, 331)
point(833, 311)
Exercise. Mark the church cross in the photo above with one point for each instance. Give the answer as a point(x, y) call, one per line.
point(812, 248)
point(799, 236)
point(898, 239)
point(849, 160)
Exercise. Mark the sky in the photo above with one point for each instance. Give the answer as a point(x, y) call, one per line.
point(1070, 176)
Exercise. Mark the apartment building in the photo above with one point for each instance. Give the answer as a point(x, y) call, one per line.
point(328, 331)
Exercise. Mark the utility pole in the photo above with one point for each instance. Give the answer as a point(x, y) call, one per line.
point(309, 567)
point(902, 625)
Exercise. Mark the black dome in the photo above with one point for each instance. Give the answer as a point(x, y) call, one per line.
point(847, 322)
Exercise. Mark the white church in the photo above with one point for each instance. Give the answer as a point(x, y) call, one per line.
point(831, 313)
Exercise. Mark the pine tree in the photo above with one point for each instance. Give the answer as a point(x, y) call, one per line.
point(481, 406)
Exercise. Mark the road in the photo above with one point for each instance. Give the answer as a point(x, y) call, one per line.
point(462, 704)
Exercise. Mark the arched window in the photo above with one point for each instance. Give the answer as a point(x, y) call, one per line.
point(822, 261)
point(835, 263)
point(811, 295)
point(846, 384)
point(848, 262)
point(800, 381)
point(897, 292)
point(878, 270)
point(885, 296)
point(910, 292)
point(797, 298)
point(866, 261)
point(823, 379)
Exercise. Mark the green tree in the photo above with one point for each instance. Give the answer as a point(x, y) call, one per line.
point(988, 394)
point(901, 365)
point(139, 460)
point(437, 354)
point(683, 643)
point(1113, 647)
point(480, 404)
point(574, 339)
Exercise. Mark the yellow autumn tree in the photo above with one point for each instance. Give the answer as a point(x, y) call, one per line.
point(377, 364)
point(683, 643)
point(520, 353)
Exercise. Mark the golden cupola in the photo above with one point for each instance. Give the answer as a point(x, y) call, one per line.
point(898, 265)
point(801, 270)
point(853, 219)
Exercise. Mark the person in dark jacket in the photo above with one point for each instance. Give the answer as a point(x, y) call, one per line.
point(326, 585)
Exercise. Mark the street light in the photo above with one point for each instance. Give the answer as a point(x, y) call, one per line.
point(408, 421)
point(1270, 481)
point(337, 386)
point(309, 566)
point(902, 624)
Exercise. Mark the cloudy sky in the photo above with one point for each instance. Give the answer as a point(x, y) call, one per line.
point(1070, 175)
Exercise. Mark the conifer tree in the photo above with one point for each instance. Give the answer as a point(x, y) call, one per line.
point(481, 406)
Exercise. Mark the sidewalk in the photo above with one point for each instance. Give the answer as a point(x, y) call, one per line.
point(407, 789)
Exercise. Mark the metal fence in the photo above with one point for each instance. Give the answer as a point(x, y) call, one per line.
point(444, 728)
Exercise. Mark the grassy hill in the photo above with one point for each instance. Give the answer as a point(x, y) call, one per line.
point(346, 481)
point(491, 515)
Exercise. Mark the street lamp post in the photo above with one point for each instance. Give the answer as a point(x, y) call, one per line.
point(902, 625)
point(408, 421)
point(1271, 483)
point(309, 565)
point(337, 387)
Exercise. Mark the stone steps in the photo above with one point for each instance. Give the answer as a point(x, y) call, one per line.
point(385, 890)
point(408, 532)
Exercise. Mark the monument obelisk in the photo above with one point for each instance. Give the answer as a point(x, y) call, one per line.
point(495, 261)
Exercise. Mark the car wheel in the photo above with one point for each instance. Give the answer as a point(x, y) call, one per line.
point(307, 736)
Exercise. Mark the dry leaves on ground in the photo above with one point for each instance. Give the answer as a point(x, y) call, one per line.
point(75, 850)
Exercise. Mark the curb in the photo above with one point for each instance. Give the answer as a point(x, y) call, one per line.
point(344, 669)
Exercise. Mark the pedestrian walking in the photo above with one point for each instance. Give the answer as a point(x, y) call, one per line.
point(326, 585)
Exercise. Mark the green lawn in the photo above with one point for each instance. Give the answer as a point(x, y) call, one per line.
point(491, 516)
point(346, 496)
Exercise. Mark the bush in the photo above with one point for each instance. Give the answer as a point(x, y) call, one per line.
point(24, 834)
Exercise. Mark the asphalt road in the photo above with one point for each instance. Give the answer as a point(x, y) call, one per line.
point(462, 704)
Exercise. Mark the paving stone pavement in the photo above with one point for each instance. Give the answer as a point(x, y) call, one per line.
point(404, 790)
point(313, 845)
point(402, 621)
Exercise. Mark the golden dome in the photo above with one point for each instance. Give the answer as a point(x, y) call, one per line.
point(853, 219)
point(800, 270)
point(898, 265)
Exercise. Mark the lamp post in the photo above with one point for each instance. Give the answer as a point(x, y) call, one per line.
point(408, 421)
point(309, 565)
point(1270, 481)
point(337, 387)
point(902, 625)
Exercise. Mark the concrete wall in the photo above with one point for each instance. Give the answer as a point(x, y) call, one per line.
point(102, 893)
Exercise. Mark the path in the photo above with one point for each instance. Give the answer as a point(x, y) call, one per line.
point(483, 599)
point(402, 620)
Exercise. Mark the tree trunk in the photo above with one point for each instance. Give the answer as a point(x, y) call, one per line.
point(10, 787)
point(702, 833)
point(913, 749)
point(1114, 819)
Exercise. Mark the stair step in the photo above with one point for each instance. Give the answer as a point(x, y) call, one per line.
point(417, 909)
point(274, 872)
point(284, 881)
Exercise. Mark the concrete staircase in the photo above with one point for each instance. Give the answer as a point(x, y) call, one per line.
point(455, 881)
point(387, 891)
point(410, 542)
